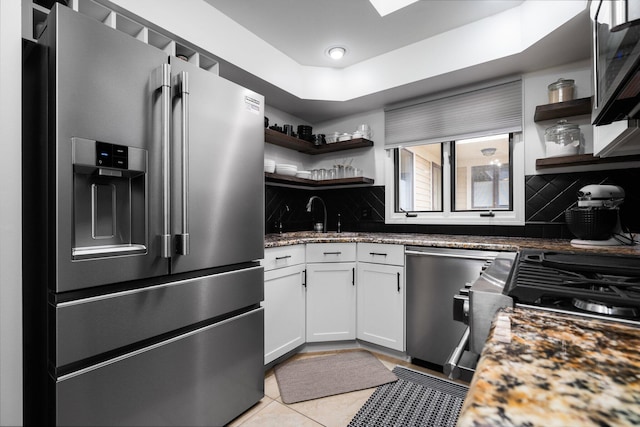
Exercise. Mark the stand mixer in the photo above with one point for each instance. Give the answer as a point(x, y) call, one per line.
point(596, 219)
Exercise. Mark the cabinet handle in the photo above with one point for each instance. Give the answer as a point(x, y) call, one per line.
point(304, 281)
point(398, 281)
point(332, 253)
point(278, 258)
point(377, 253)
point(353, 276)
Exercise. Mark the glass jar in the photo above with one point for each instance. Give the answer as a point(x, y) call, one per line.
point(562, 139)
point(561, 91)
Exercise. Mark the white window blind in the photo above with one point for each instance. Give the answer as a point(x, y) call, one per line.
point(491, 110)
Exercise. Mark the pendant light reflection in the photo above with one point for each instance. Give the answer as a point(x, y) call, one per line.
point(488, 152)
point(336, 52)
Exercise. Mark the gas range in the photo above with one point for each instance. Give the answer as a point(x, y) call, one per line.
point(595, 285)
point(583, 284)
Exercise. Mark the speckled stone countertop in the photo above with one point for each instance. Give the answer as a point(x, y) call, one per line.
point(493, 243)
point(544, 369)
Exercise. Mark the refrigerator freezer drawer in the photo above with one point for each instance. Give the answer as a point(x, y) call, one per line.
point(204, 378)
point(91, 326)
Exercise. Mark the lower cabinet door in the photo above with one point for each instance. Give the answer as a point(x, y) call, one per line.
point(284, 311)
point(205, 377)
point(380, 305)
point(331, 302)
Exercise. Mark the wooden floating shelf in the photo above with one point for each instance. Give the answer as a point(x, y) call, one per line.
point(278, 138)
point(285, 179)
point(581, 159)
point(558, 110)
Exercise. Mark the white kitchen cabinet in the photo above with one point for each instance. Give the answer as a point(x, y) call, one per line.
point(380, 295)
point(284, 300)
point(331, 292)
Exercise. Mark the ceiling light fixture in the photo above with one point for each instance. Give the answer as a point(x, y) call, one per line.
point(487, 152)
point(336, 52)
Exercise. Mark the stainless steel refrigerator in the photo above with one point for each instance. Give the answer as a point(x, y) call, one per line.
point(143, 231)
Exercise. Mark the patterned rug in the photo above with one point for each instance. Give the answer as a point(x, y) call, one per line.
point(416, 399)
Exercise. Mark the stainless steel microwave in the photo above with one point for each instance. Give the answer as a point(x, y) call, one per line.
point(616, 60)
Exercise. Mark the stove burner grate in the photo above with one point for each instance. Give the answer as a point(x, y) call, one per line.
point(597, 282)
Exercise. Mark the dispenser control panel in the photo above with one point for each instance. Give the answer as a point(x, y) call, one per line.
point(112, 155)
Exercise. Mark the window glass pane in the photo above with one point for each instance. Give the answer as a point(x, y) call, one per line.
point(482, 173)
point(420, 178)
point(406, 180)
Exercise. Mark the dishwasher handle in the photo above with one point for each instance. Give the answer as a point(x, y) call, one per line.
point(450, 255)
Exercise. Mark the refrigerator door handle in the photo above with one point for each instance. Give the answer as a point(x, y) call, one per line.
point(164, 84)
point(182, 239)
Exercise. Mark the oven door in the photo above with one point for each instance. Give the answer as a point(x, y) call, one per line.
point(616, 61)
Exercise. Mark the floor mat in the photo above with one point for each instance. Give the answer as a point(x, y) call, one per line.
point(322, 376)
point(416, 399)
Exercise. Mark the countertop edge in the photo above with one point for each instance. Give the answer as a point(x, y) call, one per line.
point(492, 243)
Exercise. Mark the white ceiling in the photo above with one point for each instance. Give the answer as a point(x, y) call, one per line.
point(303, 29)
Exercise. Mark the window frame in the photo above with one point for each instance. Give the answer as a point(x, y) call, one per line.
point(447, 215)
point(453, 181)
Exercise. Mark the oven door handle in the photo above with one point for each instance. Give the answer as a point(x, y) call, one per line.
point(450, 367)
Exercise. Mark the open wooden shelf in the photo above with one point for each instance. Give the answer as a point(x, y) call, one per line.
point(558, 110)
point(278, 138)
point(285, 179)
point(581, 159)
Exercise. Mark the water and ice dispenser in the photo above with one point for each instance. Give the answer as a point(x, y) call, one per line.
point(109, 199)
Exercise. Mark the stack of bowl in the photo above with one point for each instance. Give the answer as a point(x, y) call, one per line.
point(269, 165)
point(304, 132)
point(283, 169)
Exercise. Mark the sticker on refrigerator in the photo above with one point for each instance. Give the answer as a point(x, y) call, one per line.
point(252, 104)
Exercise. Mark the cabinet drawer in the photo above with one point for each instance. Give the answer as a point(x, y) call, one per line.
point(283, 256)
point(331, 252)
point(380, 253)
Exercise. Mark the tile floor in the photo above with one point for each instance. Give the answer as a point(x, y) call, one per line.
point(332, 411)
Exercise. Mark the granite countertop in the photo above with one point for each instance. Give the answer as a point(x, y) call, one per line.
point(493, 243)
point(549, 369)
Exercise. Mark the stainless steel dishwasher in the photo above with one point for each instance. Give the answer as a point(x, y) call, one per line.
point(434, 276)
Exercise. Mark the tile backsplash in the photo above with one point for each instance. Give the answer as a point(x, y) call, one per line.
point(362, 209)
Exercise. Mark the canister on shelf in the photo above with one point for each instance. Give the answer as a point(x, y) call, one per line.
point(562, 139)
point(561, 91)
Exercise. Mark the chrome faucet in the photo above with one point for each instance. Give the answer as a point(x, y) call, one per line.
point(310, 202)
point(284, 209)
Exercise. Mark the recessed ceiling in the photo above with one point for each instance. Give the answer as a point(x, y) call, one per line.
point(383, 64)
point(304, 29)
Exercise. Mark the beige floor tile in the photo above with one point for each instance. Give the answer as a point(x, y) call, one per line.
point(334, 411)
point(263, 403)
point(278, 415)
point(271, 386)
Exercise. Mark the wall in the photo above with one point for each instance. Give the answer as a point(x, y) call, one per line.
point(10, 215)
point(548, 192)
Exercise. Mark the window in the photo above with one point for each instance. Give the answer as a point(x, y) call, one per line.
point(480, 176)
point(419, 183)
point(456, 159)
point(482, 173)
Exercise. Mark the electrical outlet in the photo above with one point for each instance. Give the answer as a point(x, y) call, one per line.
point(366, 213)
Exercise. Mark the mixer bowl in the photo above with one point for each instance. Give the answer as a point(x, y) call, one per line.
point(591, 223)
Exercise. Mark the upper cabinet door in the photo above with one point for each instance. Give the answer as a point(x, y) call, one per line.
point(218, 187)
